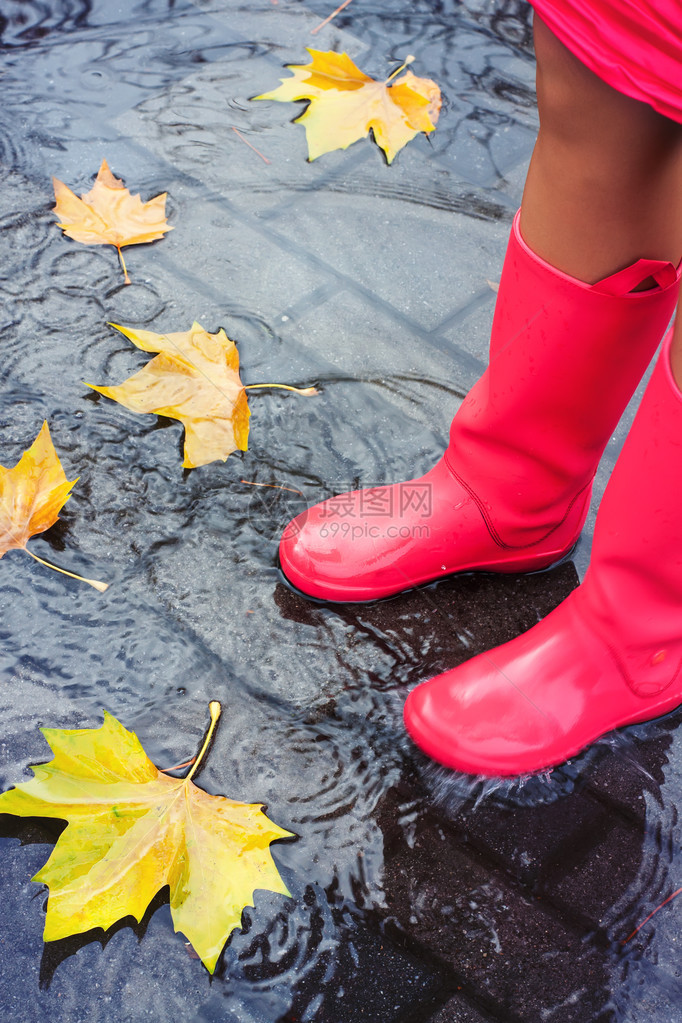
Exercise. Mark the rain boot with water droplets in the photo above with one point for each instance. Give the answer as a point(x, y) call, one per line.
point(610, 654)
point(512, 491)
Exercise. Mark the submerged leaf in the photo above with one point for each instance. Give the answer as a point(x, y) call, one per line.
point(132, 829)
point(108, 214)
point(32, 493)
point(345, 104)
point(195, 379)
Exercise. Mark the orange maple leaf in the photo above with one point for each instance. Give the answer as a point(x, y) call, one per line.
point(31, 496)
point(345, 104)
point(195, 379)
point(109, 215)
point(32, 493)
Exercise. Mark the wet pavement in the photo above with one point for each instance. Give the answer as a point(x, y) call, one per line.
point(418, 895)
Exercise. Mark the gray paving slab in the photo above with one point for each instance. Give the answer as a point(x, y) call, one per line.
point(373, 345)
point(286, 31)
point(470, 918)
point(469, 327)
point(624, 778)
point(389, 251)
point(585, 890)
point(250, 269)
point(532, 841)
point(459, 1010)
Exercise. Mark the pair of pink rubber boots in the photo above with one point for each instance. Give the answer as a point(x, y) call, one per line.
point(511, 494)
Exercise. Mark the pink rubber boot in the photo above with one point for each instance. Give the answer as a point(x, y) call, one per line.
point(512, 491)
point(610, 654)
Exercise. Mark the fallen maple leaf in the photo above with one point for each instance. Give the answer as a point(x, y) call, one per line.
point(346, 104)
point(132, 830)
point(195, 379)
point(31, 496)
point(109, 215)
point(32, 493)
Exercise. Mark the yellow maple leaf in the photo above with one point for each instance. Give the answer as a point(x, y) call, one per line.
point(32, 494)
point(133, 829)
point(345, 104)
point(109, 215)
point(195, 379)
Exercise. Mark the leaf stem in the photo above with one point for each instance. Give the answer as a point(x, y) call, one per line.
point(123, 264)
point(408, 60)
point(215, 709)
point(285, 387)
point(72, 575)
point(177, 767)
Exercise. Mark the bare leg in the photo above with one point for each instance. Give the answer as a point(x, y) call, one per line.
point(604, 187)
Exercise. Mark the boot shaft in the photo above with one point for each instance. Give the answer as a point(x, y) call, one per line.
point(633, 588)
point(566, 358)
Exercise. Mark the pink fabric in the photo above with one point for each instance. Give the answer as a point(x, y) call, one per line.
point(633, 45)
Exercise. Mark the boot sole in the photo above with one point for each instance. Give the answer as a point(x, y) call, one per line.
point(323, 601)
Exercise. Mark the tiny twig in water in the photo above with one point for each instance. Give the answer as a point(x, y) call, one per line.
point(275, 486)
point(72, 575)
point(246, 141)
point(326, 21)
point(653, 913)
point(307, 391)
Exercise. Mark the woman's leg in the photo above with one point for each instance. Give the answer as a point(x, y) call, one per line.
point(604, 186)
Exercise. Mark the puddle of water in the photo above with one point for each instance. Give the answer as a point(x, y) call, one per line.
point(196, 609)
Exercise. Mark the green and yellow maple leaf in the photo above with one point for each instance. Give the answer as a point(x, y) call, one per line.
point(133, 829)
point(346, 104)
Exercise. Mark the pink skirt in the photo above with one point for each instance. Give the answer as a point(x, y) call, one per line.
point(633, 45)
